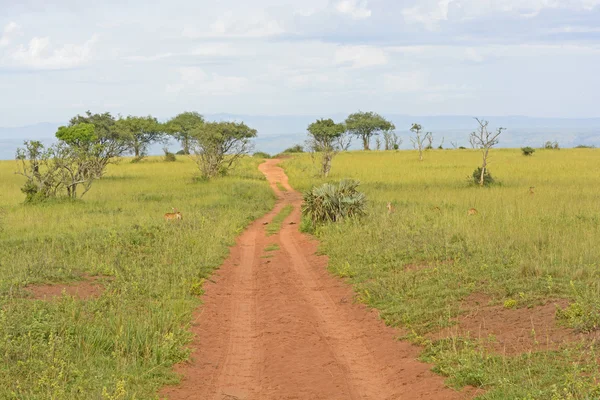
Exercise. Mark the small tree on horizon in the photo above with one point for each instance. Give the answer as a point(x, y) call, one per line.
point(364, 125)
point(324, 138)
point(141, 132)
point(182, 126)
point(484, 139)
point(419, 139)
point(217, 146)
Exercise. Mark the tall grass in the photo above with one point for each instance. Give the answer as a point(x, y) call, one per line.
point(521, 247)
point(121, 345)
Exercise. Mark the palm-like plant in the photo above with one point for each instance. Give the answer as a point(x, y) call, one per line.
point(334, 202)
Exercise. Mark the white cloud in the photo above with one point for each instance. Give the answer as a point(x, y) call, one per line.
point(40, 54)
point(196, 80)
point(360, 56)
point(357, 9)
point(431, 12)
point(229, 25)
point(10, 31)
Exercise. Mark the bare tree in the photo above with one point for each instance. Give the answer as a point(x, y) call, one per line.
point(391, 141)
point(419, 139)
point(484, 140)
point(429, 137)
point(344, 141)
point(441, 146)
point(454, 145)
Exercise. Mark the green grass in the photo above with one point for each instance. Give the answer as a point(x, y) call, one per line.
point(275, 225)
point(521, 249)
point(123, 344)
point(272, 247)
point(281, 187)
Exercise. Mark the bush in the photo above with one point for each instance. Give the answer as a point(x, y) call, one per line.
point(462, 148)
point(261, 154)
point(295, 149)
point(334, 202)
point(487, 177)
point(181, 153)
point(170, 157)
point(551, 145)
point(527, 151)
point(585, 146)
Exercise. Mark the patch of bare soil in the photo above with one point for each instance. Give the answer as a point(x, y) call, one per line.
point(89, 287)
point(511, 331)
point(284, 328)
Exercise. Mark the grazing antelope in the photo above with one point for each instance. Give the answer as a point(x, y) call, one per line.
point(174, 215)
point(531, 189)
point(472, 211)
point(390, 208)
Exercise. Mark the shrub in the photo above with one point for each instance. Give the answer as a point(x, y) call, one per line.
point(585, 146)
point(462, 148)
point(261, 154)
point(170, 157)
point(527, 151)
point(487, 177)
point(551, 145)
point(298, 148)
point(334, 202)
point(181, 153)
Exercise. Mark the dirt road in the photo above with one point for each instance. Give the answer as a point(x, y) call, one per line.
point(277, 325)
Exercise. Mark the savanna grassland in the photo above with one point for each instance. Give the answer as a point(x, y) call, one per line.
point(418, 264)
point(122, 344)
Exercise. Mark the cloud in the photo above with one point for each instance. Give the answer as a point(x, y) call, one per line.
point(40, 54)
point(229, 25)
point(360, 56)
point(10, 31)
point(198, 81)
point(356, 9)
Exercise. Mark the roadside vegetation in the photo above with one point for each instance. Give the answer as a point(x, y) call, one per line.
point(419, 263)
point(277, 222)
point(122, 344)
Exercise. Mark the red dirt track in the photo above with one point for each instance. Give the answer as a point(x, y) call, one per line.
point(276, 325)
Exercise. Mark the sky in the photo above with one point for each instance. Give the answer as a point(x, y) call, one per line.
point(285, 57)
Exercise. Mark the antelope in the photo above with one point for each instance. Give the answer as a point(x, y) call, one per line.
point(531, 189)
point(390, 208)
point(174, 215)
point(472, 211)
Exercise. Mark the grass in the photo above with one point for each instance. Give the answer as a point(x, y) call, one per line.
point(123, 344)
point(520, 249)
point(275, 225)
point(272, 247)
point(281, 187)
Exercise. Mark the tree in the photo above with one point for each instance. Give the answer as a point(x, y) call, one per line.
point(391, 141)
point(109, 143)
point(141, 132)
point(217, 146)
point(36, 164)
point(367, 124)
point(76, 158)
point(182, 126)
point(324, 138)
point(484, 139)
point(418, 140)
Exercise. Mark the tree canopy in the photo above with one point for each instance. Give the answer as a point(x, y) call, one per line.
point(182, 125)
point(367, 124)
point(324, 136)
point(140, 132)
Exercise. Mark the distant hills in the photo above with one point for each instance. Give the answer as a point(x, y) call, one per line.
point(279, 132)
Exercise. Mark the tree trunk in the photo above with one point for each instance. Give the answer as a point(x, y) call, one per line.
point(185, 142)
point(420, 154)
point(483, 167)
point(365, 139)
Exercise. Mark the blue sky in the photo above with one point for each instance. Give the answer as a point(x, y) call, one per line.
point(282, 57)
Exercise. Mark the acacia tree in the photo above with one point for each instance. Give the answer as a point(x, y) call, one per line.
point(140, 132)
point(75, 158)
point(183, 126)
point(217, 146)
point(36, 164)
point(484, 140)
point(419, 139)
point(324, 138)
point(109, 142)
point(366, 124)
